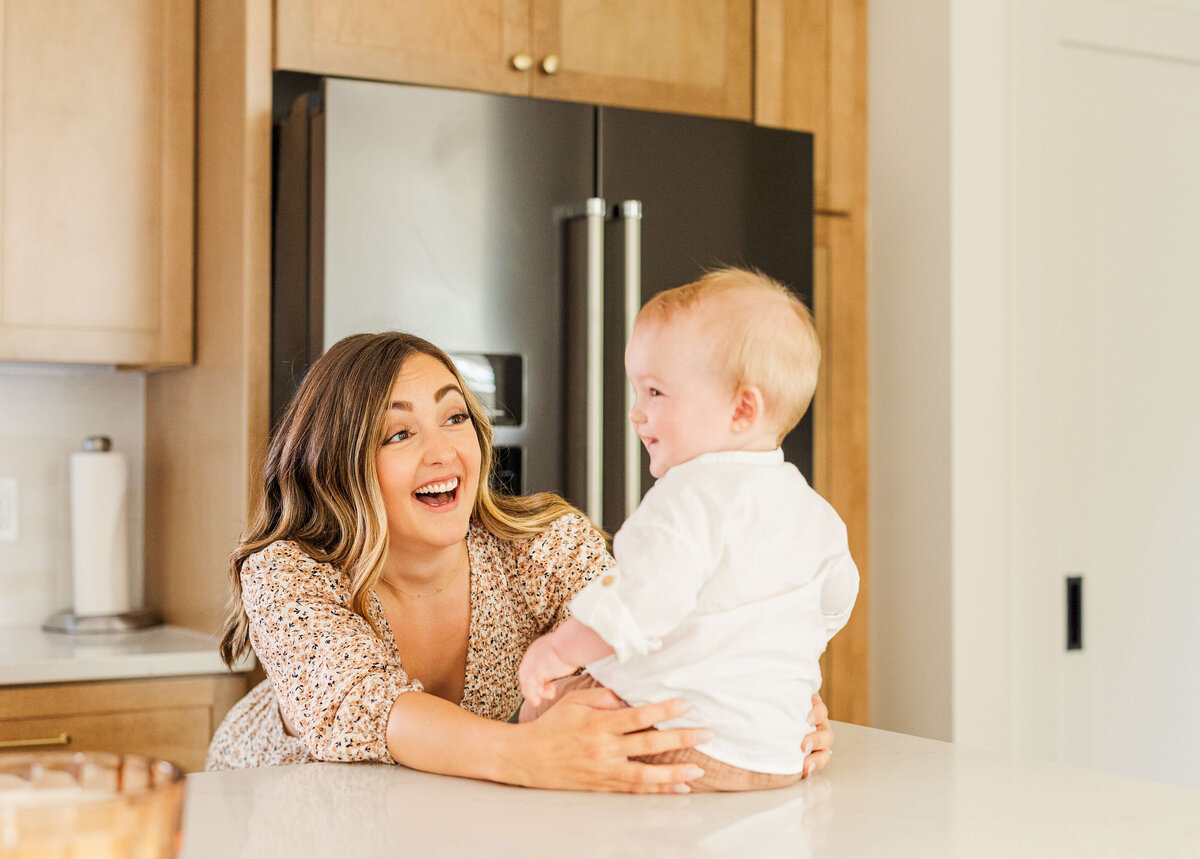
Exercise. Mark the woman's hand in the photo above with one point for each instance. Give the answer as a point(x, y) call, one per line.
point(585, 741)
point(818, 744)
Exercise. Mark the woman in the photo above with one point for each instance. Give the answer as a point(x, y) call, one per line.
point(378, 535)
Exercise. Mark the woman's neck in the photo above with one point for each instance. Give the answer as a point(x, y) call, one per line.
point(429, 571)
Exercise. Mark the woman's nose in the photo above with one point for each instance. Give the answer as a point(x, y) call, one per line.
point(438, 448)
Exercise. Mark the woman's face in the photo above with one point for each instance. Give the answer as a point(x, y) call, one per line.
point(428, 464)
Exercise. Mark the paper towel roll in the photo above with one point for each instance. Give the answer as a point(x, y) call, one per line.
point(100, 531)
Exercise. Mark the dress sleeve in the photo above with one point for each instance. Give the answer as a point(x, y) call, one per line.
point(335, 679)
point(664, 555)
point(556, 564)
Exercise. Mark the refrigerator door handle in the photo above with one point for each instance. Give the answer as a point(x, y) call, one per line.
point(594, 212)
point(631, 214)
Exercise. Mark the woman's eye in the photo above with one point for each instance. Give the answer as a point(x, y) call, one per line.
point(399, 435)
point(459, 418)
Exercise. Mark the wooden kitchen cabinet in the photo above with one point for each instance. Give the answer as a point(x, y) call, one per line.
point(96, 154)
point(810, 74)
point(840, 438)
point(690, 56)
point(171, 718)
point(455, 43)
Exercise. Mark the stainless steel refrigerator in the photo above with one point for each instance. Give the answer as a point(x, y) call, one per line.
point(521, 235)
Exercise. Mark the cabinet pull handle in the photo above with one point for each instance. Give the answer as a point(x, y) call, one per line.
point(522, 62)
point(63, 739)
point(550, 64)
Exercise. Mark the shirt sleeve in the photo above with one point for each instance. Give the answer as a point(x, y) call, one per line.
point(838, 594)
point(662, 561)
point(335, 679)
point(839, 579)
point(556, 564)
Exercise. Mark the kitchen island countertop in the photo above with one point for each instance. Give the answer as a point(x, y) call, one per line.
point(884, 794)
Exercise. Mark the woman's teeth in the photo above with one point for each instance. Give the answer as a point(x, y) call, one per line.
point(437, 494)
point(444, 486)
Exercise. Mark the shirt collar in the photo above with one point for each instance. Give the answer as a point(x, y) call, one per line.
point(746, 457)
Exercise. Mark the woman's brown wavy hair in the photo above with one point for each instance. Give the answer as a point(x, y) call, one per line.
point(320, 488)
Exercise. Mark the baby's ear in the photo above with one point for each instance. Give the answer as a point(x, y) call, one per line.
point(748, 408)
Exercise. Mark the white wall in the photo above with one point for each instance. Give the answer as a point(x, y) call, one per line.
point(45, 413)
point(909, 341)
point(1034, 417)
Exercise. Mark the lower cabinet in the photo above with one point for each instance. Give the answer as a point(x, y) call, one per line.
point(170, 717)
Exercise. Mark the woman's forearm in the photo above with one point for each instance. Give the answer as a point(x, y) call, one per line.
point(431, 734)
point(583, 743)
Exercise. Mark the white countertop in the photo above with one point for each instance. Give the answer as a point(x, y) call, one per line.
point(29, 655)
point(883, 794)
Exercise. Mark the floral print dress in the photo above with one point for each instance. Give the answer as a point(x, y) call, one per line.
point(336, 680)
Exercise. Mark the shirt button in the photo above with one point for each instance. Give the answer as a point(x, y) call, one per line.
point(607, 581)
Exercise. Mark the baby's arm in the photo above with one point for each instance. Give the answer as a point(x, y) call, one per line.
point(558, 654)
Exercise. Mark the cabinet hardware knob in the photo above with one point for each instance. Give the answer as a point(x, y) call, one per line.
point(550, 64)
point(522, 62)
point(63, 739)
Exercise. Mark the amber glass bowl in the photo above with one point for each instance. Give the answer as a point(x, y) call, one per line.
point(70, 805)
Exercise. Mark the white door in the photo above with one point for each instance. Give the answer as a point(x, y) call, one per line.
point(1106, 396)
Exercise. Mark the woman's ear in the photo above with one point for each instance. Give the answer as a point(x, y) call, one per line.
point(747, 408)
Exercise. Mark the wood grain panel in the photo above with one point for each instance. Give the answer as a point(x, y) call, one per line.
point(457, 43)
point(96, 154)
point(840, 443)
point(207, 425)
point(172, 717)
point(179, 735)
point(689, 56)
point(846, 165)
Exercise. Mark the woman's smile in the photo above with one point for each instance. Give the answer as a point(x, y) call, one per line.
point(438, 493)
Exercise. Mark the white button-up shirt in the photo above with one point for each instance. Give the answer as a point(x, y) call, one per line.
point(731, 577)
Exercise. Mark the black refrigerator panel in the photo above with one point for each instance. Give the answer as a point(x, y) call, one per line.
point(436, 212)
point(711, 193)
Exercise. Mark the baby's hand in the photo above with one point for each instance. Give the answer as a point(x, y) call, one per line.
point(541, 665)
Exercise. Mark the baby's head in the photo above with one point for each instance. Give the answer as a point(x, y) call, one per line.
point(726, 363)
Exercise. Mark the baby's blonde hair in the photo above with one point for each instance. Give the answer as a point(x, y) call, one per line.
point(762, 335)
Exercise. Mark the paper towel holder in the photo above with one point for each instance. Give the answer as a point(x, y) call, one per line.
point(69, 622)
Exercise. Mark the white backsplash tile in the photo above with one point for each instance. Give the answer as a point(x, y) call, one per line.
point(45, 413)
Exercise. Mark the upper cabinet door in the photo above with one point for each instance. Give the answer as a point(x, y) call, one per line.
point(471, 44)
point(97, 102)
point(688, 56)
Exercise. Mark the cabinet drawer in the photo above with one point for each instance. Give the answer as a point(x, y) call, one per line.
point(166, 717)
point(180, 736)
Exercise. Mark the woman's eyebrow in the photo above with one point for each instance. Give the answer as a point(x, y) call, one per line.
point(445, 389)
point(405, 405)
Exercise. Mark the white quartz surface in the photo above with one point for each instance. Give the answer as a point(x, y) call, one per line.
point(29, 655)
point(883, 794)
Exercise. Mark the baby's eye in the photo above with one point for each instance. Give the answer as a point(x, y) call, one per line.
point(399, 435)
point(655, 392)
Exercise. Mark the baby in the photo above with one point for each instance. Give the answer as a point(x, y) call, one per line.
point(732, 574)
